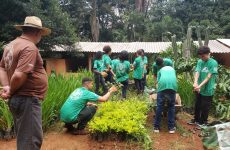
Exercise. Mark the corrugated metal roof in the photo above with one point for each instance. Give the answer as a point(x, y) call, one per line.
point(149, 47)
point(216, 47)
point(131, 47)
point(224, 41)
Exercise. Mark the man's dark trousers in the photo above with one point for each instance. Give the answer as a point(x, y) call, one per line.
point(27, 115)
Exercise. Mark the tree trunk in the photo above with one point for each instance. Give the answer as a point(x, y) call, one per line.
point(94, 22)
point(140, 5)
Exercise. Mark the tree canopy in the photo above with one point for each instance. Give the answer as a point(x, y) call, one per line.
point(117, 20)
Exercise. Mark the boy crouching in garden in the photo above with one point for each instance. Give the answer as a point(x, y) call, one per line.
point(78, 109)
point(167, 86)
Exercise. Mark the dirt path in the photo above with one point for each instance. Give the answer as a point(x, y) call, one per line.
point(182, 140)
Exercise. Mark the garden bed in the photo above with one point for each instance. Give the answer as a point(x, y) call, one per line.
point(121, 120)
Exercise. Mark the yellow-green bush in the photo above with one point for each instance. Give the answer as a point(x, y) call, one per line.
point(126, 117)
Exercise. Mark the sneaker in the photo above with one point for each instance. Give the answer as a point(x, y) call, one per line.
point(200, 126)
point(192, 122)
point(172, 131)
point(69, 128)
point(156, 130)
point(80, 132)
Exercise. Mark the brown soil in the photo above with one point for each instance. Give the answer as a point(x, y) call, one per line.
point(183, 139)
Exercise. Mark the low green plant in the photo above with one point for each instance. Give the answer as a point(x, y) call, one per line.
point(127, 118)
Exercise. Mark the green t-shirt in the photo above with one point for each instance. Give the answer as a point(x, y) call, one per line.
point(114, 62)
point(145, 63)
point(156, 68)
point(75, 103)
point(166, 78)
point(98, 65)
point(204, 68)
point(121, 69)
point(139, 68)
point(106, 61)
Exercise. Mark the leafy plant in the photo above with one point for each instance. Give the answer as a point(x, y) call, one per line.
point(126, 118)
point(185, 90)
point(223, 110)
point(6, 119)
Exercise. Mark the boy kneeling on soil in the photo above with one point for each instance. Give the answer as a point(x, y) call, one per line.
point(79, 109)
point(167, 86)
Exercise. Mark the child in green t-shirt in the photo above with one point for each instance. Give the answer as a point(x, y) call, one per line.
point(159, 60)
point(138, 74)
point(121, 69)
point(145, 59)
point(166, 90)
point(79, 109)
point(107, 62)
point(98, 69)
point(204, 85)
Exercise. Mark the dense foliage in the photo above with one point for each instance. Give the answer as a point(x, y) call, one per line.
point(14, 12)
point(222, 95)
point(119, 20)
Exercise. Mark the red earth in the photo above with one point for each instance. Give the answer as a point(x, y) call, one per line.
point(184, 139)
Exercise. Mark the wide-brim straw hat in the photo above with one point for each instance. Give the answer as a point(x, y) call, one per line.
point(34, 22)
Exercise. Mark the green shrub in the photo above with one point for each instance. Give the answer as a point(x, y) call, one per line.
point(127, 118)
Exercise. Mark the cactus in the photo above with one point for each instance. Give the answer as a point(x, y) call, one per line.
point(198, 33)
point(174, 46)
point(187, 45)
point(184, 47)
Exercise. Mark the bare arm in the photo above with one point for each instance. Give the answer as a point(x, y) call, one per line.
point(4, 78)
point(107, 95)
point(4, 81)
point(197, 74)
point(17, 80)
point(205, 81)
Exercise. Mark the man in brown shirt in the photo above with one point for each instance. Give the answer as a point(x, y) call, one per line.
point(24, 82)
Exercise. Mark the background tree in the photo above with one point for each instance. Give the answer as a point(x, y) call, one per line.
point(14, 12)
point(118, 20)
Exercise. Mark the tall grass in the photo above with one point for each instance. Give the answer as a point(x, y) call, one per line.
point(6, 119)
point(185, 90)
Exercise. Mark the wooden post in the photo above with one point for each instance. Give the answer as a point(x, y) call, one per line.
point(90, 61)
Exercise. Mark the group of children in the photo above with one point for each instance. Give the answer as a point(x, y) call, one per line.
point(117, 70)
point(79, 109)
